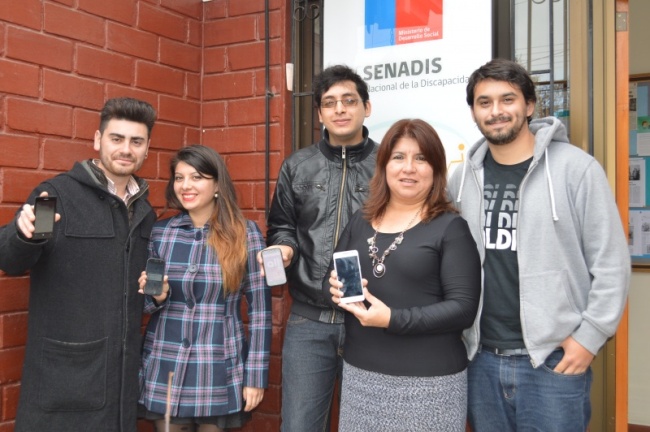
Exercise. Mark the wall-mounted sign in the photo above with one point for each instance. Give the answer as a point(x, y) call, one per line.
point(416, 56)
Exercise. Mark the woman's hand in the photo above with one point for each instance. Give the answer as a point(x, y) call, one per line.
point(142, 280)
point(253, 396)
point(377, 315)
point(337, 292)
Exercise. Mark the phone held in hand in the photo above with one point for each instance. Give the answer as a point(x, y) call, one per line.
point(348, 271)
point(44, 211)
point(155, 273)
point(273, 267)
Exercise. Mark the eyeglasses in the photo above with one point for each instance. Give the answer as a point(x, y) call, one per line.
point(331, 103)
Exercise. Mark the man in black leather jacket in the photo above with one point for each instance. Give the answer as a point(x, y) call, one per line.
point(318, 189)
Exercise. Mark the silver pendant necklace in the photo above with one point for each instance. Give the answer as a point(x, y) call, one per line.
point(378, 266)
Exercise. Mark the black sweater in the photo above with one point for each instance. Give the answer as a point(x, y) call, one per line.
point(432, 286)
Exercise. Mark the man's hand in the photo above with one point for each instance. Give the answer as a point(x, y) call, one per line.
point(576, 358)
point(287, 255)
point(26, 218)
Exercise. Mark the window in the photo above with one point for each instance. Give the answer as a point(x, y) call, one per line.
point(307, 54)
point(541, 46)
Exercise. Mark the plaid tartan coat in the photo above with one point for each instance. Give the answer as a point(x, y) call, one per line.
point(197, 333)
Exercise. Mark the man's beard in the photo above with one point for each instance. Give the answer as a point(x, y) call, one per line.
point(506, 135)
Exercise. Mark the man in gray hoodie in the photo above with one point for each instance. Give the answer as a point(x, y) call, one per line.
point(555, 260)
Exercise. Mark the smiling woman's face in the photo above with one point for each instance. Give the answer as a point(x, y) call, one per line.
point(408, 174)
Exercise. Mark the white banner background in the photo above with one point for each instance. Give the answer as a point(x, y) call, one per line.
point(438, 98)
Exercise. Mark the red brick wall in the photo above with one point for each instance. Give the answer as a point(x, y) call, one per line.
point(201, 65)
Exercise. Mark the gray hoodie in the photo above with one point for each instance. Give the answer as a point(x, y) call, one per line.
point(574, 264)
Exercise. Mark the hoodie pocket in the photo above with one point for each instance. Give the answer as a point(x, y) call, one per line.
point(548, 310)
point(72, 375)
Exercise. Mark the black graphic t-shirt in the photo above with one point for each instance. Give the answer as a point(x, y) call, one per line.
point(500, 321)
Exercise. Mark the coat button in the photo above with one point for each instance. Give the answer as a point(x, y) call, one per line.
point(193, 268)
point(190, 303)
point(186, 343)
point(198, 236)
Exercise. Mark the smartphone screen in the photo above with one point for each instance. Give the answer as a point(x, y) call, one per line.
point(44, 211)
point(348, 271)
point(273, 267)
point(155, 273)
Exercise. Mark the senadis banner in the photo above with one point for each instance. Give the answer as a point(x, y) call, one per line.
point(416, 56)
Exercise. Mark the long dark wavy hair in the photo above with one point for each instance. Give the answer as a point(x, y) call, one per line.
point(434, 153)
point(227, 224)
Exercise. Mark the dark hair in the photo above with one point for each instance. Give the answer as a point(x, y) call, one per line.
point(127, 109)
point(503, 70)
point(334, 75)
point(434, 153)
point(227, 224)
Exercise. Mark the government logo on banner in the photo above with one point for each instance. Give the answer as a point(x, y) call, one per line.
point(398, 22)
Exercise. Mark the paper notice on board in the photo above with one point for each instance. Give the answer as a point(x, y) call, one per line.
point(643, 144)
point(637, 178)
point(639, 232)
point(643, 136)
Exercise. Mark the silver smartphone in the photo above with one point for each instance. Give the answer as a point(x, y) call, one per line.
point(348, 271)
point(273, 267)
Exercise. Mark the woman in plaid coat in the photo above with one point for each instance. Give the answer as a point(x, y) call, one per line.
point(196, 329)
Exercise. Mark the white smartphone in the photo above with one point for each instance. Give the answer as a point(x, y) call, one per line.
point(348, 271)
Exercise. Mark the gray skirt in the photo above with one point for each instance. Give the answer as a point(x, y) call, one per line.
point(374, 402)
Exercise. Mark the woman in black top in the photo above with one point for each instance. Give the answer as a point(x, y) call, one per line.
point(405, 361)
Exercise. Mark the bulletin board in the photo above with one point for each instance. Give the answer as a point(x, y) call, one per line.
point(639, 171)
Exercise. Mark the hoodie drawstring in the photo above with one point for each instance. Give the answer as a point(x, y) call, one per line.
point(549, 182)
point(550, 185)
point(462, 180)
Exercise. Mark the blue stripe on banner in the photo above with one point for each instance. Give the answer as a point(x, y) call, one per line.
point(380, 23)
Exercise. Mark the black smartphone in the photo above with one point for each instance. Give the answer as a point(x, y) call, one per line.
point(155, 273)
point(44, 211)
point(273, 267)
point(348, 271)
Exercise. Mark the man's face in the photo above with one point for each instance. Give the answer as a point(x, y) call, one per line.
point(344, 123)
point(500, 111)
point(122, 148)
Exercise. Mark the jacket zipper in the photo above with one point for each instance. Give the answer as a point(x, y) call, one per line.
point(532, 166)
point(127, 259)
point(481, 222)
point(340, 201)
point(339, 210)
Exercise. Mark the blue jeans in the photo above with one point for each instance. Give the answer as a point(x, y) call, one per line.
point(311, 363)
point(505, 394)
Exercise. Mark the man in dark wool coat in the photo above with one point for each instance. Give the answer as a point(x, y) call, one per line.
point(83, 346)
